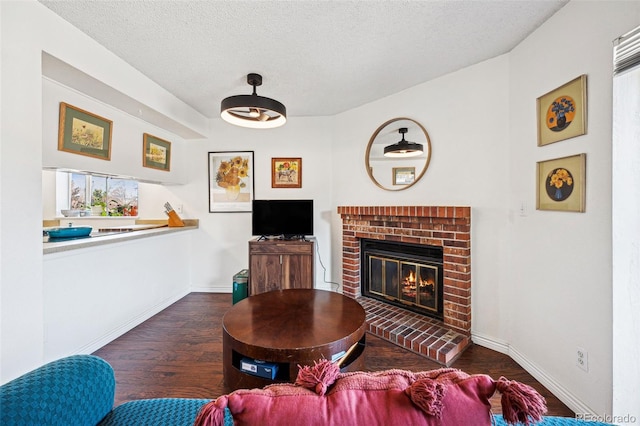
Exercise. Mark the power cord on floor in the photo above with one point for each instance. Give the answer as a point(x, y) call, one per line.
point(324, 274)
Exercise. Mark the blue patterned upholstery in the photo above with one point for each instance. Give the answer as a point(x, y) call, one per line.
point(77, 390)
point(555, 421)
point(160, 411)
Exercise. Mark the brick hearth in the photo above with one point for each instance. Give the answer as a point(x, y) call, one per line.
point(445, 226)
point(417, 333)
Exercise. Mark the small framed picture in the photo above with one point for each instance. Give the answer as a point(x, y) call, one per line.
point(286, 172)
point(230, 181)
point(403, 175)
point(561, 184)
point(84, 133)
point(562, 113)
point(156, 153)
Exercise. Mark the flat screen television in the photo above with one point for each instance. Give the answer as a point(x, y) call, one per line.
point(286, 218)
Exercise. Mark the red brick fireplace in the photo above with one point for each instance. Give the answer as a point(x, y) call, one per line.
point(448, 227)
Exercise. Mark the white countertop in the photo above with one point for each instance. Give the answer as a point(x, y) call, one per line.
point(110, 235)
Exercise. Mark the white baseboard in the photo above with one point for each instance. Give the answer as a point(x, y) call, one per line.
point(215, 288)
point(129, 325)
point(490, 343)
point(563, 394)
point(226, 288)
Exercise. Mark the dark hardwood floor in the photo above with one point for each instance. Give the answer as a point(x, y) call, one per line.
point(178, 354)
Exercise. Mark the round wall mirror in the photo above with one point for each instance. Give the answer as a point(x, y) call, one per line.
point(393, 158)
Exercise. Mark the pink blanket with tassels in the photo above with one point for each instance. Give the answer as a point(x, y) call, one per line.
point(324, 396)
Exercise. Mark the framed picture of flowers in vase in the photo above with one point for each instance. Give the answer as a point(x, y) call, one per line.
point(286, 172)
point(562, 113)
point(561, 184)
point(231, 181)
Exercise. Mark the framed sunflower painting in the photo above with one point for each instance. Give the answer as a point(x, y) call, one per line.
point(230, 181)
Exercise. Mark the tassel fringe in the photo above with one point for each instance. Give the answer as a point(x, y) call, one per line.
point(318, 377)
point(427, 394)
point(520, 403)
point(212, 413)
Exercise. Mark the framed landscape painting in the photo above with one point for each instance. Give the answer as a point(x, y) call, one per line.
point(84, 133)
point(562, 113)
point(156, 153)
point(561, 184)
point(230, 181)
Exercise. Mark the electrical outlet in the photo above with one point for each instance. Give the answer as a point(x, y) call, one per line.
point(179, 209)
point(582, 359)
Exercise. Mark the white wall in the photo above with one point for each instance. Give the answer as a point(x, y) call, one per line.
point(221, 247)
point(560, 263)
point(126, 139)
point(20, 286)
point(27, 30)
point(469, 142)
point(93, 295)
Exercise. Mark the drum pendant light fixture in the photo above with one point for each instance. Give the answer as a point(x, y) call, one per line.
point(253, 111)
point(403, 148)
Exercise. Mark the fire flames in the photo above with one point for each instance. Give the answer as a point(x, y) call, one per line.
point(410, 285)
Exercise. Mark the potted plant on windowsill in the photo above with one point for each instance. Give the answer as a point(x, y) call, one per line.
point(98, 205)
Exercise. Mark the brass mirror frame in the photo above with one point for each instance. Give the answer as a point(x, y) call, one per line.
point(368, 152)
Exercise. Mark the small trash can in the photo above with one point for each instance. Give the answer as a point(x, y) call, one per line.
point(240, 290)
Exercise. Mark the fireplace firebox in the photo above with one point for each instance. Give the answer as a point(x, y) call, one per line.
point(403, 274)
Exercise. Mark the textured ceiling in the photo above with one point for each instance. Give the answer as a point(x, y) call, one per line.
point(316, 57)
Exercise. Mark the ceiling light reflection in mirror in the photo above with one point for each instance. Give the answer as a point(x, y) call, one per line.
point(384, 170)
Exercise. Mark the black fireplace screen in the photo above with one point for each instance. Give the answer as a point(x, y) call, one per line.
point(406, 275)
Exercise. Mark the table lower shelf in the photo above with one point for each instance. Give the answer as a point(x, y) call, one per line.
point(235, 378)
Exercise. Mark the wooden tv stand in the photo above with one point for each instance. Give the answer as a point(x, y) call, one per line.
point(278, 264)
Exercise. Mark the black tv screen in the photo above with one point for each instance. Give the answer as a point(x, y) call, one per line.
point(288, 218)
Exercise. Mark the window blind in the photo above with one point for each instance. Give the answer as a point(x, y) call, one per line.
point(626, 51)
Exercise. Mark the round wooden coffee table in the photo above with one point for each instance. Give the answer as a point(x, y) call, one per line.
point(290, 328)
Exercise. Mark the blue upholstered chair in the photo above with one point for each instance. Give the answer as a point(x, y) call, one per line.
point(160, 411)
point(78, 390)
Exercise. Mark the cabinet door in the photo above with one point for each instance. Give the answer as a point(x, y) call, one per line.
point(265, 273)
point(297, 271)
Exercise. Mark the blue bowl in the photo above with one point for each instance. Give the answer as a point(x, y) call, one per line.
point(70, 232)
